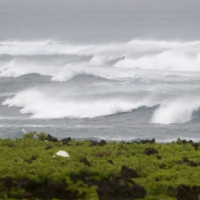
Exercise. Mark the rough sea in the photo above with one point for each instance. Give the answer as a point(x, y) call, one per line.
point(109, 69)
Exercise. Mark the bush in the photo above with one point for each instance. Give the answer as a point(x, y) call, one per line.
point(42, 136)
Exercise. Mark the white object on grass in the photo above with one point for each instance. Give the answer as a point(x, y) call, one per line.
point(62, 154)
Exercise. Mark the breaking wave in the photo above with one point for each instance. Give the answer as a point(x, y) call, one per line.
point(114, 60)
point(106, 51)
point(43, 106)
point(176, 111)
point(125, 77)
point(47, 103)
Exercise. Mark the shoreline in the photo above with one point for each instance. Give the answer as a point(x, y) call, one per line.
point(39, 166)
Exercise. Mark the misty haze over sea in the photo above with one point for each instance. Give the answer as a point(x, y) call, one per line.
point(106, 69)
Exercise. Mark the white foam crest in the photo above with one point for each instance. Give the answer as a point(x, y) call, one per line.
point(16, 68)
point(73, 69)
point(99, 60)
point(40, 105)
point(116, 49)
point(150, 44)
point(67, 73)
point(19, 67)
point(168, 61)
point(39, 48)
point(139, 54)
point(178, 110)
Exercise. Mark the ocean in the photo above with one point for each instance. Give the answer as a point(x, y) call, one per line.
point(113, 70)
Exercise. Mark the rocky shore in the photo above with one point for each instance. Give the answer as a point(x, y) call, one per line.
point(39, 166)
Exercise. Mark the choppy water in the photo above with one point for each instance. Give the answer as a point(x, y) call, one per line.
point(115, 89)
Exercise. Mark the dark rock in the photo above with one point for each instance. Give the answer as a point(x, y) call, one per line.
point(187, 193)
point(159, 157)
point(83, 176)
point(128, 172)
point(112, 189)
point(39, 190)
point(171, 191)
point(179, 141)
point(193, 164)
point(102, 143)
point(196, 146)
point(51, 138)
point(189, 162)
point(157, 179)
point(110, 161)
point(7, 182)
point(48, 147)
point(85, 161)
point(179, 162)
point(31, 159)
point(138, 141)
point(184, 141)
point(162, 166)
point(66, 140)
point(148, 141)
point(103, 154)
point(150, 151)
point(185, 160)
point(95, 143)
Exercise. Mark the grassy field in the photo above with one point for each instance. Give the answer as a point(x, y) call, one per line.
point(30, 169)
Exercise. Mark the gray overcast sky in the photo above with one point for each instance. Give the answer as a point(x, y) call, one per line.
point(99, 20)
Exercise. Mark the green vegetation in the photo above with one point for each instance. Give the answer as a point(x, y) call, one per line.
point(98, 170)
